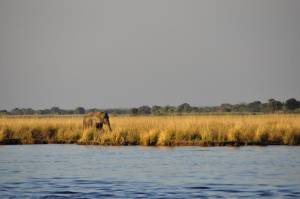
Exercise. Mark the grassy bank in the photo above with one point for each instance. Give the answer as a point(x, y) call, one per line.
point(210, 130)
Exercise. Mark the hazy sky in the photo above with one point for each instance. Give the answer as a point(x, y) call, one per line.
point(132, 52)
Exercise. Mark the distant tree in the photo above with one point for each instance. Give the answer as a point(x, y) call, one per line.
point(55, 110)
point(292, 104)
point(184, 108)
point(3, 112)
point(118, 111)
point(39, 112)
point(68, 112)
point(254, 106)
point(169, 109)
point(134, 111)
point(157, 110)
point(264, 107)
point(226, 107)
point(79, 110)
point(91, 110)
point(195, 109)
point(28, 111)
point(274, 105)
point(46, 111)
point(271, 106)
point(17, 111)
point(202, 109)
point(145, 110)
point(241, 107)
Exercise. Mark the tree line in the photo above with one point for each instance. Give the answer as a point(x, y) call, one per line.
point(271, 106)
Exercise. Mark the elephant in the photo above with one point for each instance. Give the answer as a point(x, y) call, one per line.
point(96, 120)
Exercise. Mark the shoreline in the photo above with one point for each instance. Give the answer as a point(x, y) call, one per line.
point(171, 144)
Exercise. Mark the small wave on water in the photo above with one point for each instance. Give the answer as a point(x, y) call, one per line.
point(95, 189)
point(71, 171)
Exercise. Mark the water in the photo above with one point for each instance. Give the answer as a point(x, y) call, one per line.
point(74, 171)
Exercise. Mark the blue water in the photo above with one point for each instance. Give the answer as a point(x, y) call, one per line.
point(75, 171)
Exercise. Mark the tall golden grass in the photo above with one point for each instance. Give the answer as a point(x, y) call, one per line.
point(204, 130)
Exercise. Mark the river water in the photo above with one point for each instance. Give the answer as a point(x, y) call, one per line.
point(76, 171)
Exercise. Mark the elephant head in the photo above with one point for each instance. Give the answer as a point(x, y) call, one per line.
point(105, 120)
point(96, 120)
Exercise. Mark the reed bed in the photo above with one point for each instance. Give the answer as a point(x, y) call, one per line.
point(202, 130)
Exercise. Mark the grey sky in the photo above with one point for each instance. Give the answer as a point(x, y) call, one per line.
point(133, 52)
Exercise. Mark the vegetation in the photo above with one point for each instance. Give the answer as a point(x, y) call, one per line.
point(272, 106)
point(204, 130)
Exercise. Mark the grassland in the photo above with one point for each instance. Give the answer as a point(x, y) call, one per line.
point(203, 130)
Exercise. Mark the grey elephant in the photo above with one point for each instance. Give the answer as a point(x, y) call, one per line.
point(96, 120)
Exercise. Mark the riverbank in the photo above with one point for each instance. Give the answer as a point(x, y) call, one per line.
point(202, 130)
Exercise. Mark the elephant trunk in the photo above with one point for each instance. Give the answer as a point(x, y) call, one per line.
point(108, 124)
point(106, 121)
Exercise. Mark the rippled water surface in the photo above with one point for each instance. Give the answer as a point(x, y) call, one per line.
point(74, 171)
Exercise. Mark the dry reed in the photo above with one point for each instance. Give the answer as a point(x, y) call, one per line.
point(204, 130)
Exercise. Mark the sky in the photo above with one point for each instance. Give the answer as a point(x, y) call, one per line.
point(117, 53)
